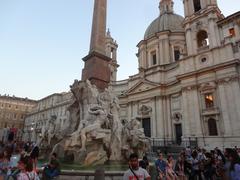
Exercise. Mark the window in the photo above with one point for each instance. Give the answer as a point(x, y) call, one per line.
point(212, 127)
point(176, 53)
point(209, 100)
point(203, 60)
point(154, 58)
point(202, 39)
point(197, 5)
point(232, 32)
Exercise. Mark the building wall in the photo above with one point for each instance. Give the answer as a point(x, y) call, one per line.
point(54, 108)
point(13, 111)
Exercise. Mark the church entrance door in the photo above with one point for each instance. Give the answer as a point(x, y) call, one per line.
point(146, 124)
point(178, 131)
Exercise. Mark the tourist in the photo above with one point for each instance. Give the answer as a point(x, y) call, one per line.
point(170, 174)
point(219, 163)
point(235, 165)
point(161, 166)
point(195, 166)
point(2, 169)
point(227, 165)
point(26, 169)
point(13, 164)
point(180, 167)
point(135, 172)
point(209, 169)
point(52, 170)
point(26, 147)
point(5, 163)
point(34, 156)
point(188, 152)
point(144, 163)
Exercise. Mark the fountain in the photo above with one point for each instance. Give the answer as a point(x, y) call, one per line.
point(95, 133)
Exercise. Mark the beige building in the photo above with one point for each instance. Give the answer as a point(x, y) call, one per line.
point(188, 84)
point(52, 108)
point(12, 114)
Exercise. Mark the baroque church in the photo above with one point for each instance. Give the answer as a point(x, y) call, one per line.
point(188, 85)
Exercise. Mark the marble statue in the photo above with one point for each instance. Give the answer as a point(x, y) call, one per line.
point(96, 133)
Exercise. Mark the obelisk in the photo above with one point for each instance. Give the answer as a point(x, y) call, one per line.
point(96, 67)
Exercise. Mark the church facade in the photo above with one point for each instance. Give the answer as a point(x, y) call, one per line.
point(188, 85)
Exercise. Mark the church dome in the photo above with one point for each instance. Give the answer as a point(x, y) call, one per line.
point(167, 20)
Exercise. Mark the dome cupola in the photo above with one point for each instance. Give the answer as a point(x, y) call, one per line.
point(166, 21)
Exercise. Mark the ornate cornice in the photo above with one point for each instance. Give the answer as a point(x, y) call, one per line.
point(227, 80)
point(144, 110)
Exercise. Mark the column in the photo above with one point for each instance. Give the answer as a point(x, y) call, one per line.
point(196, 113)
point(160, 129)
point(166, 51)
point(161, 52)
point(186, 120)
point(213, 34)
point(185, 4)
point(191, 7)
point(224, 110)
point(129, 111)
point(154, 117)
point(233, 93)
point(189, 41)
point(169, 119)
point(173, 55)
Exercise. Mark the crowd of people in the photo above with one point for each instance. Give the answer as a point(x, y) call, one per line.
point(18, 161)
point(190, 164)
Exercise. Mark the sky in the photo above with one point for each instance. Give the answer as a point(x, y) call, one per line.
point(42, 42)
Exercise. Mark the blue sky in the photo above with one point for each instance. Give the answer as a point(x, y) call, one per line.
point(42, 42)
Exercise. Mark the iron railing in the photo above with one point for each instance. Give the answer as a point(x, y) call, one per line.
point(157, 143)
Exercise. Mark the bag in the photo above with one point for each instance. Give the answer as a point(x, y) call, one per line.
point(133, 173)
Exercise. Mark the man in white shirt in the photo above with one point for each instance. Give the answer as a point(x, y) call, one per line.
point(135, 172)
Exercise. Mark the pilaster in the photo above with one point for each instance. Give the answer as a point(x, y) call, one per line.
point(224, 110)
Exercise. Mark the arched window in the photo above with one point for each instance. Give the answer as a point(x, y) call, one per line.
point(212, 127)
point(202, 39)
point(197, 5)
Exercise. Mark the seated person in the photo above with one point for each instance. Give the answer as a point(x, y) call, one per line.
point(161, 166)
point(25, 167)
point(144, 163)
point(52, 170)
